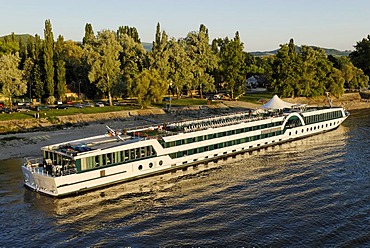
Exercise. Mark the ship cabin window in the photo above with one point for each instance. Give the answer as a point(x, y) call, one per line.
point(292, 122)
point(109, 159)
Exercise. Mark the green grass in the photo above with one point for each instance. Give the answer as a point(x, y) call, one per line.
point(52, 113)
point(255, 97)
point(182, 102)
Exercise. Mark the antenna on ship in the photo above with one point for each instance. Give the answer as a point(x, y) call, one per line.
point(115, 133)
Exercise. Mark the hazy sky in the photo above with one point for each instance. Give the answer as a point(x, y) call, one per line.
point(262, 24)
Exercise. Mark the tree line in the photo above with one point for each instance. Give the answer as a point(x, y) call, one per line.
point(115, 64)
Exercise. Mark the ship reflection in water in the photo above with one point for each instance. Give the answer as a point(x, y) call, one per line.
point(289, 194)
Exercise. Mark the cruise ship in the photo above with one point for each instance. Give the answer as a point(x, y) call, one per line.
point(121, 155)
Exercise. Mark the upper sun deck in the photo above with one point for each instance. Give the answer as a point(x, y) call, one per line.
point(114, 138)
point(87, 145)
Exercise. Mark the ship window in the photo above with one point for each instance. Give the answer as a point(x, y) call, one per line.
point(97, 161)
point(160, 162)
point(143, 151)
point(151, 164)
point(109, 158)
point(132, 154)
point(296, 132)
point(140, 167)
point(127, 157)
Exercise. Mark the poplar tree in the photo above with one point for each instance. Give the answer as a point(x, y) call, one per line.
point(38, 65)
point(89, 37)
point(60, 68)
point(159, 54)
point(48, 58)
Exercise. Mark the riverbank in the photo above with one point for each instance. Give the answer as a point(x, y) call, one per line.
point(349, 101)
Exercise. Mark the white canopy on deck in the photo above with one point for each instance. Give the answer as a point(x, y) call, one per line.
point(276, 103)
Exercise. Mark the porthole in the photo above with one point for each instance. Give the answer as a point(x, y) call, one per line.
point(140, 167)
point(296, 132)
point(326, 125)
point(290, 133)
point(160, 162)
point(302, 131)
point(322, 126)
point(150, 165)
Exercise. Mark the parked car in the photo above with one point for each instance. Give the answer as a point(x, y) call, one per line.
point(99, 104)
point(78, 105)
point(88, 104)
point(5, 110)
point(23, 109)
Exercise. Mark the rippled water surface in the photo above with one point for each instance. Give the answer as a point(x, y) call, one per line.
point(313, 192)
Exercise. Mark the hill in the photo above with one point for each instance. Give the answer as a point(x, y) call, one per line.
point(23, 37)
point(328, 51)
point(148, 47)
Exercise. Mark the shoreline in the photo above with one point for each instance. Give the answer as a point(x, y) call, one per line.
point(27, 144)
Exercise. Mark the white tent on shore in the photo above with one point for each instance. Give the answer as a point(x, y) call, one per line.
point(276, 103)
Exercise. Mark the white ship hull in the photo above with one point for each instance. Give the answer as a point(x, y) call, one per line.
point(38, 179)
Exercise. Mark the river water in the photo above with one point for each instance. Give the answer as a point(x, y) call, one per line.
point(313, 192)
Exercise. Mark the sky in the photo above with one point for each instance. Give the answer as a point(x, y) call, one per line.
point(262, 24)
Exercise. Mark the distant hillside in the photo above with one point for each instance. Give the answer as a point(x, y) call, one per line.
point(23, 37)
point(147, 45)
point(328, 51)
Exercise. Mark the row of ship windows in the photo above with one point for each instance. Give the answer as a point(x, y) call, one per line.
point(323, 117)
point(315, 127)
point(221, 145)
point(218, 135)
point(117, 157)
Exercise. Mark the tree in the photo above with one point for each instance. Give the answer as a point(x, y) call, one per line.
point(11, 78)
point(286, 71)
point(38, 63)
point(104, 61)
point(149, 87)
point(205, 60)
point(354, 78)
point(232, 65)
point(159, 55)
point(9, 45)
point(132, 60)
point(360, 57)
point(181, 66)
point(89, 37)
point(48, 58)
point(60, 68)
point(130, 31)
